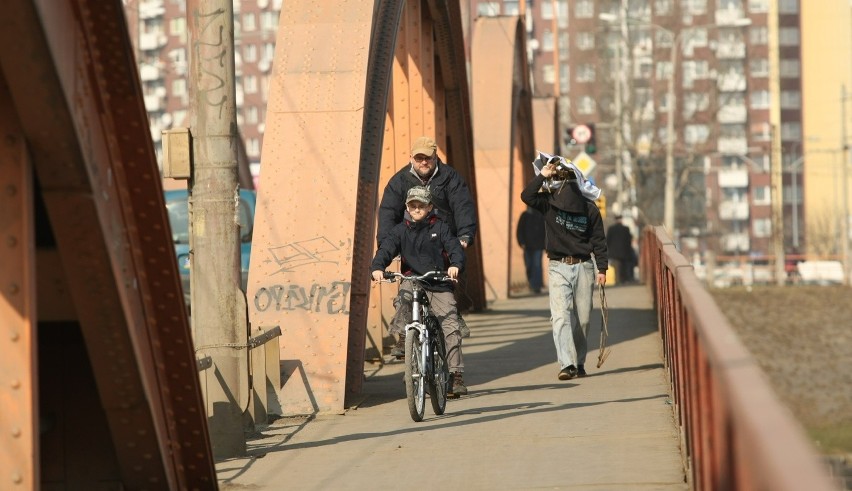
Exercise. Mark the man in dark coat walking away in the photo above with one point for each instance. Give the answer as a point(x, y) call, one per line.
point(530, 236)
point(619, 243)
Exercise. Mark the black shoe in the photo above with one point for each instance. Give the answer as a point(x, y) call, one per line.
point(581, 372)
point(568, 373)
point(458, 388)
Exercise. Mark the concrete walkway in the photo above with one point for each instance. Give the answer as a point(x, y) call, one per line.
point(520, 427)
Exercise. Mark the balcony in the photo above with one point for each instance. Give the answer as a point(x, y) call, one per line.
point(153, 103)
point(731, 16)
point(731, 82)
point(151, 9)
point(736, 242)
point(152, 40)
point(727, 50)
point(149, 72)
point(733, 178)
point(732, 114)
point(733, 210)
point(732, 145)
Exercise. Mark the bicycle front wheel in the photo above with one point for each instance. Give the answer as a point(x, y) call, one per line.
point(440, 376)
point(415, 381)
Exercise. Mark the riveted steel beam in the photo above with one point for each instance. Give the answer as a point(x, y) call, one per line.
point(70, 71)
point(503, 128)
point(19, 466)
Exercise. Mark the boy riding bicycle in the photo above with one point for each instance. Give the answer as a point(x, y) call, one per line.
point(425, 243)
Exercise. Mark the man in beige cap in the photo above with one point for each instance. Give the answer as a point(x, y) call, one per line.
point(450, 197)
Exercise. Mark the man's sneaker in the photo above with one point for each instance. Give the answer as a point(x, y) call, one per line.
point(581, 372)
point(568, 373)
point(398, 350)
point(458, 388)
point(463, 329)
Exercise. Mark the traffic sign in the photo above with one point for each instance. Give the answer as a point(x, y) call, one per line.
point(581, 133)
point(584, 163)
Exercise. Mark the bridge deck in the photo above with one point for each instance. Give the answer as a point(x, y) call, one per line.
point(520, 427)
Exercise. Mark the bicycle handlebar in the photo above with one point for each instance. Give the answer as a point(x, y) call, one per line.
point(392, 276)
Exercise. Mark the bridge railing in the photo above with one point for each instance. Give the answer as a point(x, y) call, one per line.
point(735, 432)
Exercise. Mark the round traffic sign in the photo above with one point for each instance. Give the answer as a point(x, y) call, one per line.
point(581, 133)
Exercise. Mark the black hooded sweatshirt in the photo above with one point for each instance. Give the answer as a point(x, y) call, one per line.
point(573, 223)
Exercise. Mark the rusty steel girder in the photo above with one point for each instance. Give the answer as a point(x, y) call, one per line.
point(354, 85)
point(73, 83)
point(503, 128)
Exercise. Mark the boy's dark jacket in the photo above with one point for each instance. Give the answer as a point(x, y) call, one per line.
point(573, 223)
point(427, 245)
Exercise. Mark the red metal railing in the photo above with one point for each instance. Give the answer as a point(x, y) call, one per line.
point(735, 432)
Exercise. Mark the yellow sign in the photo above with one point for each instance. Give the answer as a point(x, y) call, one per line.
point(584, 163)
point(601, 202)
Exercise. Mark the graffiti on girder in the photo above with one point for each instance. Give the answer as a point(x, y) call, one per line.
point(298, 255)
point(331, 299)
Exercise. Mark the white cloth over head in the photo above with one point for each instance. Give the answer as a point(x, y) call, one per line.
point(587, 189)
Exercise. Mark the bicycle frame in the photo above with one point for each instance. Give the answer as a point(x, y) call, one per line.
point(425, 351)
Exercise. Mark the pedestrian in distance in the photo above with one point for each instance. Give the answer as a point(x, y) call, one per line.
point(530, 235)
point(451, 199)
point(425, 243)
point(576, 247)
point(619, 241)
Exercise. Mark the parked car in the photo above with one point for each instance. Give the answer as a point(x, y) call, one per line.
point(177, 206)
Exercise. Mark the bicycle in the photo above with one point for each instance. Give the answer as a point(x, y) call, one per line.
point(426, 367)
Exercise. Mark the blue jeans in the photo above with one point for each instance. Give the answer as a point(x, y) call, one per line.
point(571, 287)
point(532, 261)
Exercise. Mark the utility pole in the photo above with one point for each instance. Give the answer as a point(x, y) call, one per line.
point(218, 304)
point(776, 178)
point(844, 181)
point(776, 182)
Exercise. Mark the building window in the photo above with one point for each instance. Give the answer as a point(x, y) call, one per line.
point(663, 70)
point(694, 102)
point(788, 36)
point(546, 10)
point(179, 87)
point(253, 147)
point(249, 22)
point(761, 227)
point(788, 7)
point(510, 7)
point(547, 41)
point(662, 7)
point(791, 131)
point(251, 115)
point(586, 105)
point(791, 99)
point(695, 134)
point(250, 84)
point(759, 99)
point(583, 9)
point(269, 21)
point(488, 9)
point(758, 67)
point(585, 41)
point(177, 26)
point(758, 35)
point(694, 7)
point(547, 74)
point(790, 68)
point(586, 73)
point(758, 6)
point(694, 70)
point(250, 53)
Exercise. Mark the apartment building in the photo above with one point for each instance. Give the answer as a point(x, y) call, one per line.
point(158, 29)
point(727, 71)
